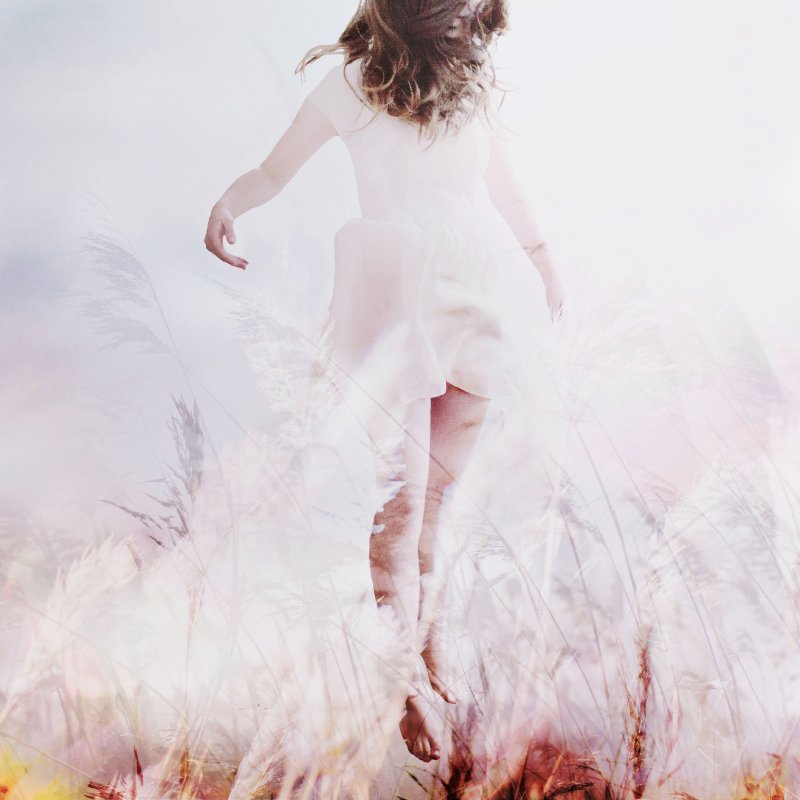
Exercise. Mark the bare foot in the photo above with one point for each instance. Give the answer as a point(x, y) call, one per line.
point(433, 656)
point(417, 728)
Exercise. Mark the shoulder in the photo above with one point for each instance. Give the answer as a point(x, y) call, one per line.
point(339, 94)
point(352, 74)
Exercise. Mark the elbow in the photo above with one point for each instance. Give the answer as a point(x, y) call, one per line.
point(534, 249)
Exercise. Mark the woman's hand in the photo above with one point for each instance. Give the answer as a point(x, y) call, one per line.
point(542, 259)
point(554, 293)
point(220, 224)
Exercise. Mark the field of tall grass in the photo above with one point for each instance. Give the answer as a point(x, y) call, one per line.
point(622, 603)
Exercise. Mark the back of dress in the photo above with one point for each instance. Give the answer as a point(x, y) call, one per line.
point(398, 172)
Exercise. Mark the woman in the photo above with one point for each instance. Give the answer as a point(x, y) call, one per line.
point(415, 327)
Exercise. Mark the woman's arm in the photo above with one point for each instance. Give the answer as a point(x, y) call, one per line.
point(510, 200)
point(309, 130)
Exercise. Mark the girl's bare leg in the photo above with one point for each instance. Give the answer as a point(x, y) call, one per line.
point(394, 563)
point(456, 419)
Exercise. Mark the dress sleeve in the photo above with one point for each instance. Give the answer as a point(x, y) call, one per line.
point(338, 95)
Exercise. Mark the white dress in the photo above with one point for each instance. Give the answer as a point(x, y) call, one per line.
point(415, 301)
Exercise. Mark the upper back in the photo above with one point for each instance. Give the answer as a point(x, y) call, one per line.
point(389, 156)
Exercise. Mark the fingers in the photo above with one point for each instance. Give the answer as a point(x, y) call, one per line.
point(220, 252)
point(215, 243)
point(230, 235)
point(557, 310)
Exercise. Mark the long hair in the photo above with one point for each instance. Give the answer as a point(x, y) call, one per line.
point(412, 69)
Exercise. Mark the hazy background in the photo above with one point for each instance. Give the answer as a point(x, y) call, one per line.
point(656, 138)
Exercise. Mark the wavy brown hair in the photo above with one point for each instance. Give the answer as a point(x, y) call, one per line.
point(413, 67)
